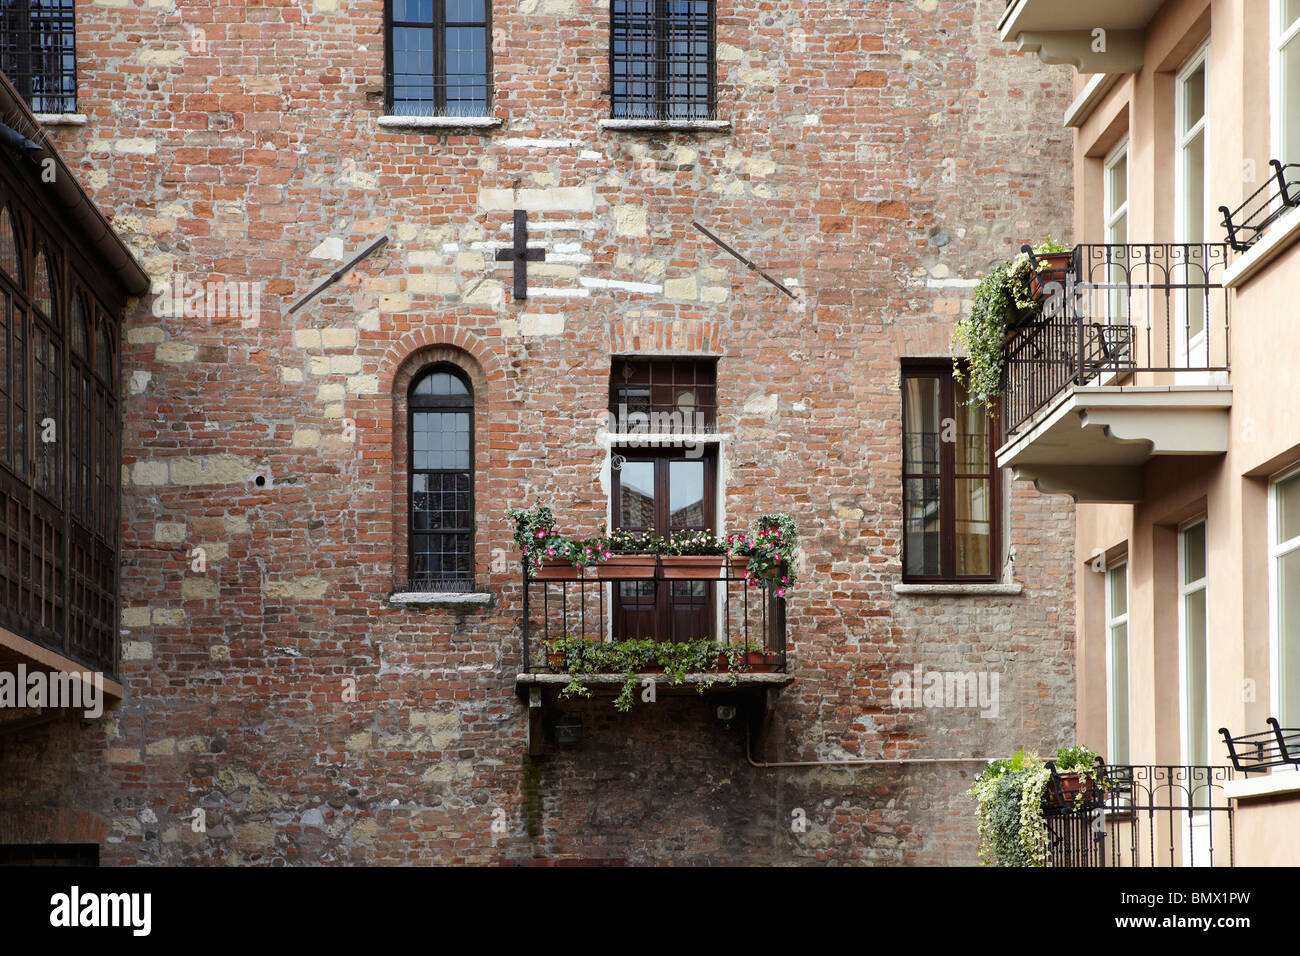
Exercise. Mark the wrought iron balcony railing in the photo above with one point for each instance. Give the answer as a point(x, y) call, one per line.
point(1247, 223)
point(1255, 753)
point(650, 601)
point(1145, 816)
point(1122, 311)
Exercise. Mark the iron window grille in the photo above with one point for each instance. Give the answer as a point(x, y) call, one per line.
point(440, 439)
point(438, 57)
point(38, 52)
point(662, 59)
point(662, 396)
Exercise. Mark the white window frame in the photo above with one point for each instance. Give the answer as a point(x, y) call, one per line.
point(1276, 550)
point(1198, 59)
point(1113, 622)
point(1186, 589)
point(1112, 212)
point(1278, 39)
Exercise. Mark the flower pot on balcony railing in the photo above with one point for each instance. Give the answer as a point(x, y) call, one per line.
point(626, 567)
point(692, 567)
point(1076, 789)
point(1052, 268)
point(556, 569)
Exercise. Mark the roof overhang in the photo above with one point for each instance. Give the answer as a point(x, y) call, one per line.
point(1101, 36)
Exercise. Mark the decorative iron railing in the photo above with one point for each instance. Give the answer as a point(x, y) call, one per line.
point(1121, 311)
point(1247, 223)
point(654, 602)
point(1255, 753)
point(1145, 816)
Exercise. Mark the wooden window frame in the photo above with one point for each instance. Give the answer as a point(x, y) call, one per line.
point(438, 24)
point(942, 370)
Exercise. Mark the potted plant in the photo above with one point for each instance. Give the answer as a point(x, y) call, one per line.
point(693, 555)
point(1042, 265)
point(1012, 797)
point(547, 554)
point(1075, 780)
point(629, 555)
point(1003, 302)
point(769, 552)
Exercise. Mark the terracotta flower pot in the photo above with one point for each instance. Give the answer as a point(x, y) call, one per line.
point(625, 567)
point(1052, 267)
point(696, 567)
point(555, 569)
point(1071, 785)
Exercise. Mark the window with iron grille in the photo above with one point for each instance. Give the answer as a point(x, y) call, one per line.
point(950, 486)
point(38, 52)
point(439, 57)
point(441, 469)
point(662, 59)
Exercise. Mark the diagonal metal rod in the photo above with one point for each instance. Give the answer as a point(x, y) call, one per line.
point(747, 262)
point(338, 275)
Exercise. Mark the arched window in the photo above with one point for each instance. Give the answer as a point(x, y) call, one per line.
point(43, 294)
point(9, 259)
point(441, 471)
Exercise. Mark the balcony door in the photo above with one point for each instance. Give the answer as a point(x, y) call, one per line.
point(664, 492)
point(1193, 634)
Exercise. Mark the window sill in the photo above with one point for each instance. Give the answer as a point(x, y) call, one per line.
point(633, 125)
point(1272, 785)
point(440, 122)
point(1278, 239)
point(447, 599)
point(960, 590)
point(61, 119)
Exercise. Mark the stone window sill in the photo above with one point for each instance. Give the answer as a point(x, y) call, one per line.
point(62, 119)
point(1275, 784)
point(1280, 236)
point(960, 590)
point(440, 122)
point(701, 126)
point(445, 599)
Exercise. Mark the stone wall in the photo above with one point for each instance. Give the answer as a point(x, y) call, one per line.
point(880, 157)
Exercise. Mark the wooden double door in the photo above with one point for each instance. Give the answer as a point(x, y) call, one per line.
point(663, 493)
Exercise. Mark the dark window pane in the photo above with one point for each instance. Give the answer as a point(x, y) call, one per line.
point(637, 491)
point(921, 525)
point(973, 516)
point(9, 249)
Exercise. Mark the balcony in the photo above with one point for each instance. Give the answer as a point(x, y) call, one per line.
point(1149, 816)
point(1129, 360)
point(639, 597)
point(1068, 33)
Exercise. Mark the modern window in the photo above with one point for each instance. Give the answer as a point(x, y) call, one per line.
point(1115, 198)
point(1286, 80)
point(439, 57)
point(1117, 719)
point(1191, 199)
point(1192, 630)
point(440, 407)
point(1284, 588)
point(38, 52)
point(950, 488)
point(664, 485)
point(662, 59)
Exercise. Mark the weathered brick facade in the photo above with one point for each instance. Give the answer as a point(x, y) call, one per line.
point(880, 155)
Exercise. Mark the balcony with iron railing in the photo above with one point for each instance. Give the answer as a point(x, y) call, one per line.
point(644, 599)
point(1128, 360)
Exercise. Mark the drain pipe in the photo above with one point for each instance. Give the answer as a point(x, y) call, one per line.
point(766, 765)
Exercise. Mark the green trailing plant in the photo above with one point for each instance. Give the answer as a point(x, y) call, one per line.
point(581, 656)
point(1001, 299)
point(1011, 797)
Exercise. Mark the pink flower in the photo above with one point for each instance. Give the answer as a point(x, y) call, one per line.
point(550, 552)
point(606, 555)
point(780, 592)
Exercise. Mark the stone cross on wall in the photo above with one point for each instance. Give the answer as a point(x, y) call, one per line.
point(521, 255)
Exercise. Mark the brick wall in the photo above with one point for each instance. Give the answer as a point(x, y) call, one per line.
point(881, 155)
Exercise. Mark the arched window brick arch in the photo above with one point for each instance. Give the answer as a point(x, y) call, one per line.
point(439, 511)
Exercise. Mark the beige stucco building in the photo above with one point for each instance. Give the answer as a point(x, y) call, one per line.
point(1161, 395)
